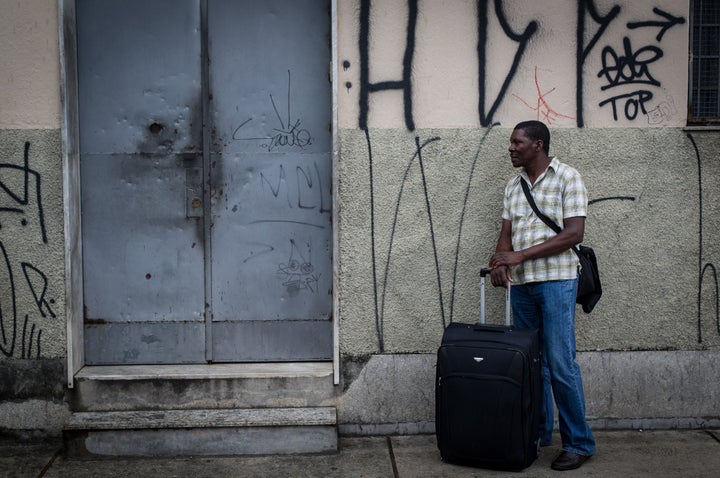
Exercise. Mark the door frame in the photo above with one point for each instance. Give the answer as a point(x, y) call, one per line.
point(69, 126)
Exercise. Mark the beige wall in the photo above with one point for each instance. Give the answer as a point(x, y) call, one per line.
point(30, 73)
point(445, 70)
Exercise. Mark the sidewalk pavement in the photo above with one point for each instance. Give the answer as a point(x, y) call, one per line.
point(627, 454)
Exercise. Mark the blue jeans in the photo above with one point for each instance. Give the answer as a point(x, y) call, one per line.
point(550, 307)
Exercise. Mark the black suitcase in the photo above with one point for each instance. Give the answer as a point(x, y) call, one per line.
point(488, 392)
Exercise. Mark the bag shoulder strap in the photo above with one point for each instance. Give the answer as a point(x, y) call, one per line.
point(550, 223)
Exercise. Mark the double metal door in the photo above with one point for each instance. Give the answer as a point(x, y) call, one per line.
point(205, 152)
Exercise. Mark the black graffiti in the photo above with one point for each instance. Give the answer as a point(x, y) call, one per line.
point(634, 103)
point(287, 221)
point(22, 198)
point(611, 198)
point(28, 339)
point(709, 267)
point(17, 182)
point(583, 50)
point(37, 284)
point(289, 134)
point(306, 186)
point(275, 190)
point(486, 117)
point(633, 67)
point(670, 21)
point(405, 84)
point(292, 135)
point(310, 191)
point(618, 68)
point(262, 249)
point(430, 222)
point(629, 68)
point(309, 194)
point(703, 267)
point(8, 324)
point(373, 246)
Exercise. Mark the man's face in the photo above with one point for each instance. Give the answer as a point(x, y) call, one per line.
point(522, 149)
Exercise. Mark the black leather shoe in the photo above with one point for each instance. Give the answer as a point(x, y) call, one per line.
point(568, 460)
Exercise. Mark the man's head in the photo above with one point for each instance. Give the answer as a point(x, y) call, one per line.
point(536, 131)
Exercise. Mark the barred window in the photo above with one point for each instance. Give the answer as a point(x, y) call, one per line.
point(705, 62)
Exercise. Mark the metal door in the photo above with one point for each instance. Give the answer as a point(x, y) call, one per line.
point(206, 177)
point(270, 170)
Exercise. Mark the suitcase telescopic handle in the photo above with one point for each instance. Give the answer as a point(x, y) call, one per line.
point(484, 272)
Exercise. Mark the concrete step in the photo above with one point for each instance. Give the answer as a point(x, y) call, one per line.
point(209, 409)
point(202, 432)
point(166, 387)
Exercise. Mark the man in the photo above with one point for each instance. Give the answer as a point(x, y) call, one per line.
point(543, 270)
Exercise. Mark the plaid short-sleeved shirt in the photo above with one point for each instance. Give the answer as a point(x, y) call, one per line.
point(559, 193)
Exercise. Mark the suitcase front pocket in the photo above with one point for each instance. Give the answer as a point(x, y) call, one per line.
point(480, 418)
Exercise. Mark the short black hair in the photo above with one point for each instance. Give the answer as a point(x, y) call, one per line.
point(536, 131)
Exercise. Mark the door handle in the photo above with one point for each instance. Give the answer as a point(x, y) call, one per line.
point(193, 193)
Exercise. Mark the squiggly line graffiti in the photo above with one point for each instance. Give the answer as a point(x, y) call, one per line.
point(380, 307)
point(704, 268)
point(462, 214)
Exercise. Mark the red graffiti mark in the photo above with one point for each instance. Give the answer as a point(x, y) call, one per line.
point(542, 107)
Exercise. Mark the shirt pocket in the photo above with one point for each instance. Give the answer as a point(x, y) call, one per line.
point(523, 212)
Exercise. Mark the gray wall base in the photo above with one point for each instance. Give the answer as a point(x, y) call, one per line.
point(394, 394)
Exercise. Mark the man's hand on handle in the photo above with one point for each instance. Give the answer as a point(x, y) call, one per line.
point(500, 264)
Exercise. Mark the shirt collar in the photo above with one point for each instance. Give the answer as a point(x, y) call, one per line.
point(554, 162)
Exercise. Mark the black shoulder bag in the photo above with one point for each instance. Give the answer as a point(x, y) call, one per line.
point(589, 289)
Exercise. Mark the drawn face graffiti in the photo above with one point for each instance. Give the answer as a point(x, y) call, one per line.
point(297, 273)
point(522, 149)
